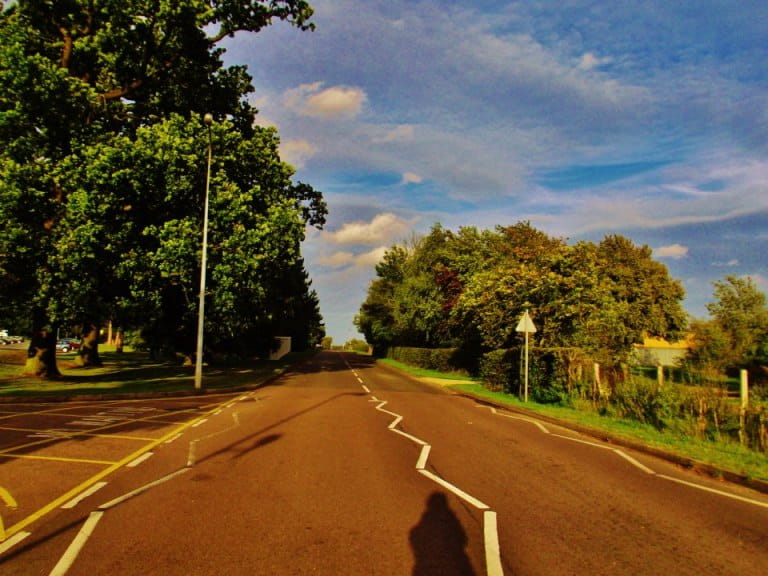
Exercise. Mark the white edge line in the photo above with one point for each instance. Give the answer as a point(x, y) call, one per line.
point(69, 556)
point(139, 460)
point(587, 442)
point(460, 493)
point(203, 421)
point(634, 462)
point(83, 495)
point(714, 491)
point(492, 550)
point(12, 541)
point(536, 423)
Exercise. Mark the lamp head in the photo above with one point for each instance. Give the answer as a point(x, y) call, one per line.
point(208, 119)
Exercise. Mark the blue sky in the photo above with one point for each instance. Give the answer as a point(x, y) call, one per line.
point(647, 119)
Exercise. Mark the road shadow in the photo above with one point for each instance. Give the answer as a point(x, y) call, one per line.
point(439, 540)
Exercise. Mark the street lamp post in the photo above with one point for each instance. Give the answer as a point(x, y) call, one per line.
point(208, 120)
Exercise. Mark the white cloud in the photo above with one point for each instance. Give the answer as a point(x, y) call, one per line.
point(384, 228)
point(729, 264)
point(402, 133)
point(370, 259)
point(411, 178)
point(336, 260)
point(344, 102)
point(588, 61)
point(297, 152)
point(674, 251)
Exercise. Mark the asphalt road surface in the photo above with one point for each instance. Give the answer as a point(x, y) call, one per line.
point(344, 467)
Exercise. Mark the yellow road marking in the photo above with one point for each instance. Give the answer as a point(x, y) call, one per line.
point(97, 477)
point(9, 500)
point(57, 459)
point(78, 433)
point(11, 503)
point(66, 435)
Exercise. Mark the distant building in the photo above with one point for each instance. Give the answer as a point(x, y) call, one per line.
point(659, 352)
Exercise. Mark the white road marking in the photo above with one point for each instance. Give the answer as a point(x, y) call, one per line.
point(66, 561)
point(421, 463)
point(490, 530)
point(83, 495)
point(409, 436)
point(457, 491)
point(12, 541)
point(492, 550)
point(366, 389)
point(192, 450)
point(536, 423)
point(141, 489)
point(643, 467)
point(139, 460)
point(172, 439)
point(714, 491)
point(203, 421)
point(634, 462)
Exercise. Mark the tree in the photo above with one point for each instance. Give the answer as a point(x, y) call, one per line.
point(77, 79)
point(376, 318)
point(740, 311)
point(470, 289)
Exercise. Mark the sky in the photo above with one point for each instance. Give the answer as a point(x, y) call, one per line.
point(645, 119)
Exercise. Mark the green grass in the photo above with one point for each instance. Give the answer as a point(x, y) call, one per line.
point(725, 455)
point(423, 373)
point(135, 373)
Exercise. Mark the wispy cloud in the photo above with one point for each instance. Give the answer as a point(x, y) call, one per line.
point(383, 229)
point(673, 251)
point(345, 102)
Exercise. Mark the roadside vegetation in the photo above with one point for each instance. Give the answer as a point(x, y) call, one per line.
point(106, 161)
point(728, 456)
point(452, 302)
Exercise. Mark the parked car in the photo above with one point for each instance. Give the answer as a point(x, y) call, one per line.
point(66, 344)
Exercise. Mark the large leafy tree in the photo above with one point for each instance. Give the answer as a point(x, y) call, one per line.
point(76, 79)
point(740, 312)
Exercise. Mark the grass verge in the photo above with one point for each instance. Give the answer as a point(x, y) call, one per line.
point(725, 455)
point(134, 373)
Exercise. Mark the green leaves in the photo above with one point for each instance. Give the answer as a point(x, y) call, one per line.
point(103, 160)
point(457, 289)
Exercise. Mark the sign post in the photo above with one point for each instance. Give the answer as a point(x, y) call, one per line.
point(526, 326)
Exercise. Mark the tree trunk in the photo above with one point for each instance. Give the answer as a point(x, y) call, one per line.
point(88, 354)
point(41, 355)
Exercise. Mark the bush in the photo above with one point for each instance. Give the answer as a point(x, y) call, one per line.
point(496, 368)
point(642, 400)
point(438, 359)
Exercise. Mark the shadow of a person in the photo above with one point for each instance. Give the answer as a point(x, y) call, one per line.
point(438, 541)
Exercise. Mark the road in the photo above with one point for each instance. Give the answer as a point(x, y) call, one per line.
point(345, 467)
